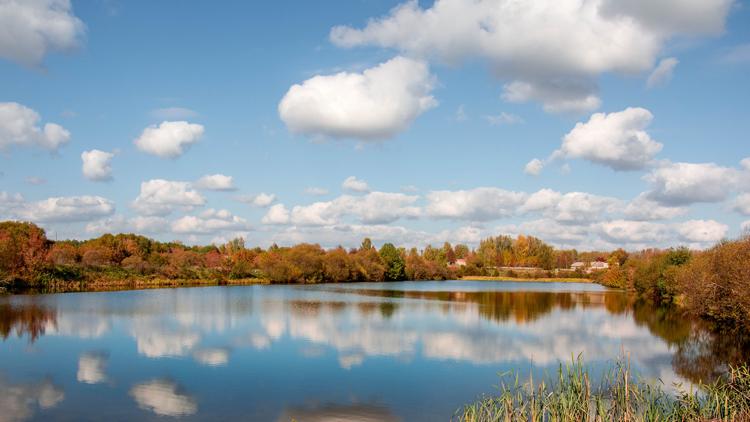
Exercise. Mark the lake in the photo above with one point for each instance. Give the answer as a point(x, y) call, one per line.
point(409, 351)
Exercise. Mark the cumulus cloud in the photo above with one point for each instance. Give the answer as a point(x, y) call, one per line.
point(742, 204)
point(353, 184)
point(550, 51)
point(375, 104)
point(161, 197)
point(687, 183)
point(60, 209)
point(569, 208)
point(31, 29)
point(745, 227)
point(549, 230)
point(643, 209)
point(633, 232)
point(122, 224)
point(261, 200)
point(19, 126)
point(218, 182)
point(702, 231)
point(97, 165)
point(373, 208)
point(163, 397)
point(169, 139)
point(534, 167)
point(210, 221)
point(617, 140)
point(662, 73)
point(479, 204)
point(277, 214)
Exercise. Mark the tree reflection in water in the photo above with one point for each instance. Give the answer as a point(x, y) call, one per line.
point(699, 352)
point(25, 320)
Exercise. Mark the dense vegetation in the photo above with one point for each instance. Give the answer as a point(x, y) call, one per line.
point(574, 396)
point(713, 284)
point(29, 259)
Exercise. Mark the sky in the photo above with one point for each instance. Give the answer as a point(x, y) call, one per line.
point(592, 124)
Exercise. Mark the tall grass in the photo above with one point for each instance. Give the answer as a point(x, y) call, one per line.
point(619, 396)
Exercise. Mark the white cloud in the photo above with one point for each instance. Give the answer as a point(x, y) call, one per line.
point(642, 209)
point(210, 221)
point(261, 200)
point(19, 127)
point(97, 165)
point(549, 231)
point(218, 182)
point(745, 226)
point(617, 140)
point(277, 214)
point(503, 119)
point(173, 113)
point(64, 209)
point(662, 73)
point(121, 224)
point(571, 207)
point(534, 167)
point(375, 104)
point(164, 398)
point(549, 51)
point(702, 231)
point(745, 163)
point(353, 184)
point(373, 208)
point(557, 96)
point(315, 191)
point(479, 204)
point(161, 197)
point(633, 232)
point(169, 139)
point(687, 183)
point(31, 29)
point(742, 204)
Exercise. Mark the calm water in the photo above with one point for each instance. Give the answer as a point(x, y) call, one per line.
point(412, 351)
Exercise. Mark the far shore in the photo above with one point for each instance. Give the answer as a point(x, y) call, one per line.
point(538, 280)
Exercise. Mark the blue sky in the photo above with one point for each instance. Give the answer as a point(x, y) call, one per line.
point(432, 111)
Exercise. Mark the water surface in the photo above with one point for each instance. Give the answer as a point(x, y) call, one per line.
point(411, 351)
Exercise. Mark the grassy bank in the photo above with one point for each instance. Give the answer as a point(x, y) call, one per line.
point(539, 280)
point(620, 396)
point(104, 285)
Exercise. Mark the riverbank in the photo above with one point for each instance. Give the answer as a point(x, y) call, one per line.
point(525, 279)
point(619, 396)
point(129, 284)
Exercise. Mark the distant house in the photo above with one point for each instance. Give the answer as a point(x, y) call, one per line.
point(597, 265)
point(460, 262)
point(578, 266)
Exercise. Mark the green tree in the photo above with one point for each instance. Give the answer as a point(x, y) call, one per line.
point(395, 267)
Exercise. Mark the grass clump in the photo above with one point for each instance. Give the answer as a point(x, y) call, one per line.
point(619, 396)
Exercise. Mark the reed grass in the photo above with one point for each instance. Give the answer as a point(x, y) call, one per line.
point(619, 396)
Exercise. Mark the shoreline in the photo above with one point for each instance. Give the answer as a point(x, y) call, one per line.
point(528, 279)
point(164, 283)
